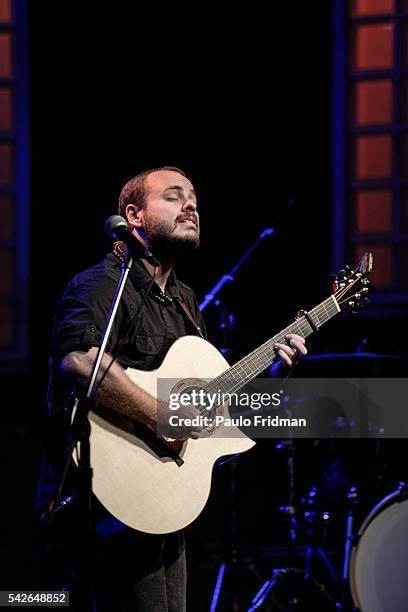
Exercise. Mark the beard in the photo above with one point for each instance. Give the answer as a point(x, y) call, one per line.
point(162, 241)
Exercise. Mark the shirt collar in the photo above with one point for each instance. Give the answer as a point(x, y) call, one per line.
point(141, 277)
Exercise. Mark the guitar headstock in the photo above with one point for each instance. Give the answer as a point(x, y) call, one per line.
point(351, 287)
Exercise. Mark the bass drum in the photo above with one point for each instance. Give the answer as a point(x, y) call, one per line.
point(379, 558)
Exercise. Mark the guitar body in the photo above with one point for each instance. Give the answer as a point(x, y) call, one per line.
point(143, 490)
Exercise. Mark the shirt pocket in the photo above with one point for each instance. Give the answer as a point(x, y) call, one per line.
point(149, 345)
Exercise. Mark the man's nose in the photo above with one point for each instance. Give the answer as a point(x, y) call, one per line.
point(190, 204)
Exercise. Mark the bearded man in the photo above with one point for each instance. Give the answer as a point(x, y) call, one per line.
point(133, 570)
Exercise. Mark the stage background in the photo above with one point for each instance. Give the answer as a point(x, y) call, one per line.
point(239, 99)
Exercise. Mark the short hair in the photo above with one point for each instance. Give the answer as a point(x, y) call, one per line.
point(135, 190)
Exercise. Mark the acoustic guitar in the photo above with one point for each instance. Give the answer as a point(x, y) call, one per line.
point(158, 486)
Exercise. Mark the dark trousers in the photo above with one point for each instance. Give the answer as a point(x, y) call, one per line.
point(129, 571)
point(141, 573)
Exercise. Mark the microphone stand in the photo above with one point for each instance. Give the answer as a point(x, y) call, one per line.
point(230, 276)
point(79, 433)
point(228, 570)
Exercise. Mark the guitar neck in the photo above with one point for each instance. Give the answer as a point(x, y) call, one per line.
point(253, 364)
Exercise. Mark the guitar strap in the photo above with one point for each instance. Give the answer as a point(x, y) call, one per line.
point(182, 301)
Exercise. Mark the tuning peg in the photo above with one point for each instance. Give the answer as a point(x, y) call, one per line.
point(339, 279)
point(339, 275)
point(344, 272)
point(355, 307)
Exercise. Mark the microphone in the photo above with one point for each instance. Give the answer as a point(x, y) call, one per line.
point(117, 228)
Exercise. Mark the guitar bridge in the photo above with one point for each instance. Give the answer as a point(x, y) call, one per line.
point(160, 446)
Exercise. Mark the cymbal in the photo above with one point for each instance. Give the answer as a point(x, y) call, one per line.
point(352, 364)
point(356, 355)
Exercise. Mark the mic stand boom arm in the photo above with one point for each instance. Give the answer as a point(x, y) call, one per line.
point(230, 276)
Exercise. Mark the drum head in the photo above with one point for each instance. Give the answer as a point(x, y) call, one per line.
point(379, 562)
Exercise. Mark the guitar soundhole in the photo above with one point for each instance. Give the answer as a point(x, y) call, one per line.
point(196, 392)
point(193, 392)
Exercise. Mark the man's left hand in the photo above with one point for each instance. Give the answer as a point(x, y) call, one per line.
point(293, 350)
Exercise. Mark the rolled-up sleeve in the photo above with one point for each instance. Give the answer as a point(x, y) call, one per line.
point(81, 315)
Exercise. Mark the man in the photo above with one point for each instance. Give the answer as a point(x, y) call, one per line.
point(134, 571)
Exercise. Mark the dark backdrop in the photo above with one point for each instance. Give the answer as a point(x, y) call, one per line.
point(239, 100)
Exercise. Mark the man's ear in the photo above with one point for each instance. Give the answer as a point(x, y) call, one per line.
point(134, 215)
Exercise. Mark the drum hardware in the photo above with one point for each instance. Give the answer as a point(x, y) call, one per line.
point(297, 580)
point(313, 549)
point(227, 583)
point(350, 539)
point(360, 550)
point(267, 587)
point(300, 590)
point(345, 604)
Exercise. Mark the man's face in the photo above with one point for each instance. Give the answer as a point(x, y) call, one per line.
point(170, 217)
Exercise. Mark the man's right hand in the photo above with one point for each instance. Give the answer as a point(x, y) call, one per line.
point(184, 422)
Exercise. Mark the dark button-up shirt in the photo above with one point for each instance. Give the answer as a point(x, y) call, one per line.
point(145, 325)
point(147, 322)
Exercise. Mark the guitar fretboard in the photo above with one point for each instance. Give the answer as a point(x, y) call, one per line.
point(253, 364)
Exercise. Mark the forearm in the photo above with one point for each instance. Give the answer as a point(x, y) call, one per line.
point(116, 390)
point(278, 369)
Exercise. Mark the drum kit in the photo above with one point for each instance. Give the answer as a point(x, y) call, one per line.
point(353, 520)
point(372, 576)
point(348, 533)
